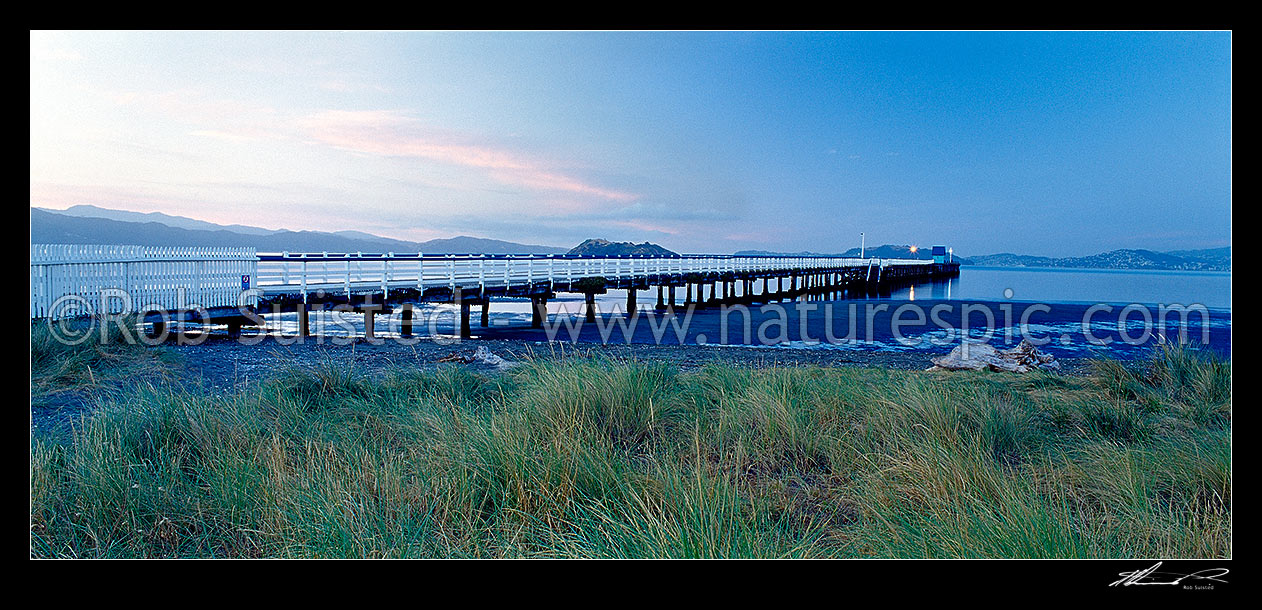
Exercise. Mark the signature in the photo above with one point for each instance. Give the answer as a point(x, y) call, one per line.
point(1151, 576)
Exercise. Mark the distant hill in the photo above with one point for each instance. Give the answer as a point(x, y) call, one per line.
point(57, 227)
point(892, 251)
point(1218, 259)
point(885, 251)
point(485, 246)
point(601, 247)
point(1213, 259)
point(179, 222)
point(770, 253)
point(85, 224)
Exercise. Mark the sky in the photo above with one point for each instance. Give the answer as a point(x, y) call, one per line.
point(1045, 143)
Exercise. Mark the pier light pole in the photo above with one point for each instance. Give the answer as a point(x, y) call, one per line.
point(862, 243)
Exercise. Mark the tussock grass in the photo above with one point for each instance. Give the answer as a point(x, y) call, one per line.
point(90, 361)
point(596, 458)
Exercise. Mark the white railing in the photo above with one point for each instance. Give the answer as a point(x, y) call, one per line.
point(70, 280)
point(360, 272)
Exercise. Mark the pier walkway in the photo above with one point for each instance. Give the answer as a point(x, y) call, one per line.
point(237, 286)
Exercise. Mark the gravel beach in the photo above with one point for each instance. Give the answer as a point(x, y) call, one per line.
point(220, 364)
point(224, 364)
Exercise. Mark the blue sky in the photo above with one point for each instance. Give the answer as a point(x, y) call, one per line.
point(1050, 143)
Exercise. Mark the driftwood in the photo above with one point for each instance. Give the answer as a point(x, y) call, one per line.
point(981, 356)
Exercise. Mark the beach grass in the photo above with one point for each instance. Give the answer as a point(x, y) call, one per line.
point(589, 457)
point(94, 357)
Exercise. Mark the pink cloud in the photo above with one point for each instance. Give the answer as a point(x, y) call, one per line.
point(391, 134)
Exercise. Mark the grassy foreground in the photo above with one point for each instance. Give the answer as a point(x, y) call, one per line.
point(591, 458)
point(94, 362)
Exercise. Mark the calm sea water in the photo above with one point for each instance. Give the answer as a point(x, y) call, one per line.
point(1069, 312)
point(1118, 286)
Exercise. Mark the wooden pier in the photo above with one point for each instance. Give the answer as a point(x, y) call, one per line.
point(236, 286)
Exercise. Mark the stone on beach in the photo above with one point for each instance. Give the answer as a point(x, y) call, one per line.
point(486, 356)
point(482, 355)
point(981, 356)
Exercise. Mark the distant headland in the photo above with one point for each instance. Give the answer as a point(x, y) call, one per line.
point(1211, 259)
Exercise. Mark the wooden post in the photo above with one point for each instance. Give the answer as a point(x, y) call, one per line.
point(304, 320)
point(486, 312)
point(590, 298)
point(465, 332)
point(406, 327)
point(631, 299)
point(538, 309)
point(671, 303)
point(370, 314)
point(661, 297)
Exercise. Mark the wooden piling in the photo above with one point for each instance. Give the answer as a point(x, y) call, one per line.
point(304, 320)
point(538, 310)
point(465, 331)
point(406, 326)
point(486, 313)
point(590, 299)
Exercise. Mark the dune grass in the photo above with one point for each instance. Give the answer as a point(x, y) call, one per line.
point(93, 359)
point(594, 458)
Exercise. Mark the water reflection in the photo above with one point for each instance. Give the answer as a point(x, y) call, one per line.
point(981, 285)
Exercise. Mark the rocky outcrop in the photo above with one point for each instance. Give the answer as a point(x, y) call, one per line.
point(601, 247)
point(982, 356)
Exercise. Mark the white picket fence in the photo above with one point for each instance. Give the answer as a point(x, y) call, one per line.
point(69, 280)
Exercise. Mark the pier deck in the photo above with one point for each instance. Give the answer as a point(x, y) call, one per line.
point(237, 286)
